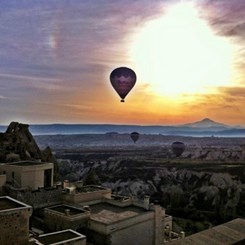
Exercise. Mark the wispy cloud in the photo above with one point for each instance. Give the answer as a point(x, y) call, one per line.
point(225, 16)
point(226, 104)
point(33, 82)
point(2, 97)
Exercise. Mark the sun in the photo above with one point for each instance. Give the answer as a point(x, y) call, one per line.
point(180, 54)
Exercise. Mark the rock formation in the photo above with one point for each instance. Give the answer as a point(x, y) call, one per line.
point(18, 144)
point(207, 192)
point(91, 178)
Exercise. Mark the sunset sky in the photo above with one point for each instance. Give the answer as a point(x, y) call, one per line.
point(56, 57)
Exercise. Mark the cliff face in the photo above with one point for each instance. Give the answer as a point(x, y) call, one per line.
point(18, 144)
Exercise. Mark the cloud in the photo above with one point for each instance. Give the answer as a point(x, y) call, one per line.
point(226, 104)
point(225, 16)
point(223, 97)
point(45, 32)
point(2, 97)
point(237, 93)
point(32, 82)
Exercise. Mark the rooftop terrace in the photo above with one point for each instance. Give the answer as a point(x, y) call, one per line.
point(60, 236)
point(89, 188)
point(9, 203)
point(108, 214)
point(232, 232)
point(63, 209)
point(26, 163)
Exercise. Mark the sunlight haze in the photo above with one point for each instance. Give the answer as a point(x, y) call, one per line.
point(180, 54)
point(56, 58)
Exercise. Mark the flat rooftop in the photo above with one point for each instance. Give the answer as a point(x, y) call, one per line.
point(232, 232)
point(63, 209)
point(61, 236)
point(90, 188)
point(9, 203)
point(27, 163)
point(108, 214)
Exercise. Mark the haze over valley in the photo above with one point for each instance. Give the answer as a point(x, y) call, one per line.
point(204, 127)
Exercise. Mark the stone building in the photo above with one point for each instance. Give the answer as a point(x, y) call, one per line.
point(28, 174)
point(15, 227)
point(88, 193)
point(107, 219)
point(232, 232)
point(14, 220)
point(111, 224)
point(30, 182)
point(104, 218)
point(63, 216)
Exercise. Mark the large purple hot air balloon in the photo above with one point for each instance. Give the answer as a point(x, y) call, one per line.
point(178, 148)
point(122, 80)
point(134, 136)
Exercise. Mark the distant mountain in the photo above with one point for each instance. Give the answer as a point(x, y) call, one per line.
point(205, 127)
point(3, 128)
point(206, 123)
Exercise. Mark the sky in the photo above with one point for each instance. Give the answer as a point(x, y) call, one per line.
point(56, 57)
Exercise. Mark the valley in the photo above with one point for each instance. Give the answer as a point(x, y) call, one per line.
point(203, 187)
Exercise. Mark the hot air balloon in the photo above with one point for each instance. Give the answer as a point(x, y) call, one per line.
point(122, 80)
point(178, 148)
point(134, 136)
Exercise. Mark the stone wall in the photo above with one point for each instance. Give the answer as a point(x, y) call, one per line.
point(14, 228)
point(56, 221)
point(83, 197)
point(37, 199)
point(2, 182)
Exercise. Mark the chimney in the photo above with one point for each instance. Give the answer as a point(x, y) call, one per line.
point(182, 234)
point(67, 212)
point(86, 208)
point(159, 214)
point(146, 202)
point(65, 183)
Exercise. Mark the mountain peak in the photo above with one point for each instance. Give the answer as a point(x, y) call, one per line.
point(206, 120)
point(209, 121)
point(205, 123)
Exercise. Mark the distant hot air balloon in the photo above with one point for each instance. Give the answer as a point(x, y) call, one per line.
point(178, 148)
point(122, 80)
point(134, 136)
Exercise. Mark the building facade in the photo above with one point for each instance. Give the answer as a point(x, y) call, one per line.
point(14, 220)
point(28, 174)
point(109, 218)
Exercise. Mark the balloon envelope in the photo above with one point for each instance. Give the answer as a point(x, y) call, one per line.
point(178, 148)
point(134, 136)
point(122, 80)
